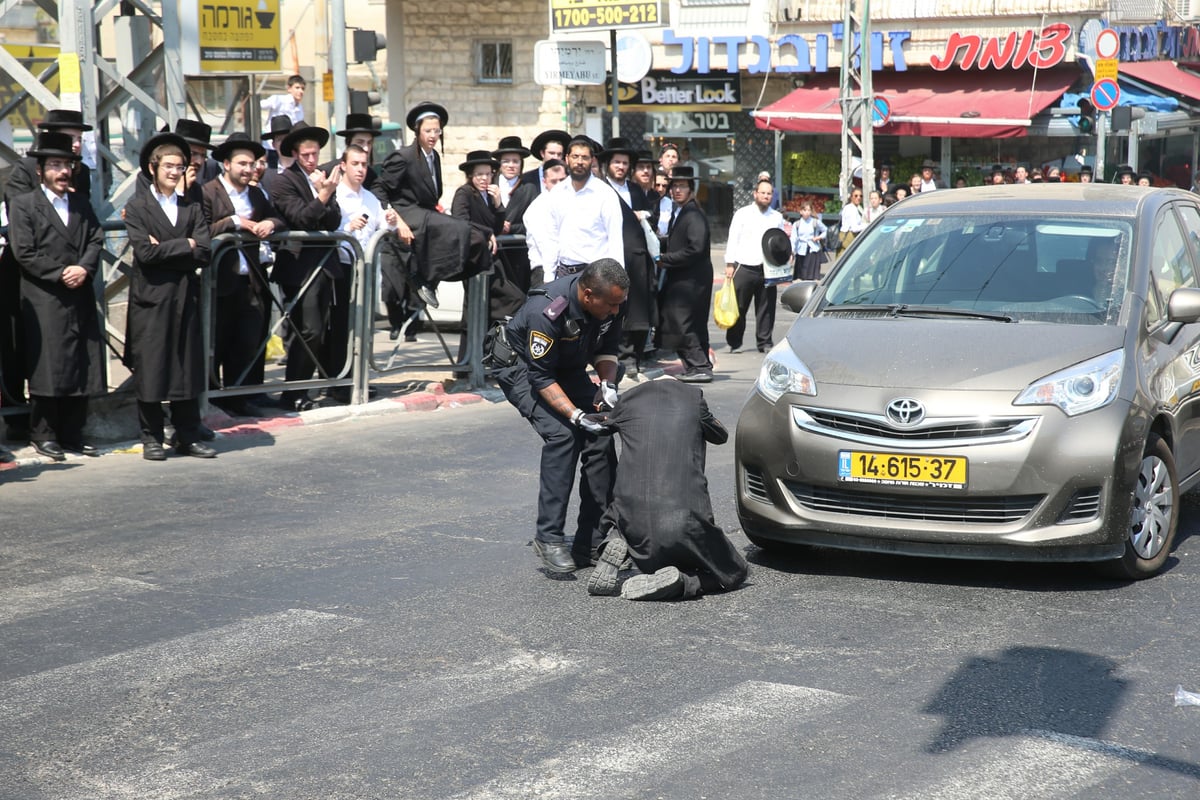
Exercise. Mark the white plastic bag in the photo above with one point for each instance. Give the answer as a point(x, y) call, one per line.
point(651, 238)
point(1186, 698)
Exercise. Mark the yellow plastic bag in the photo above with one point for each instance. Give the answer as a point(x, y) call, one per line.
point(275, 349)
point(725, 308)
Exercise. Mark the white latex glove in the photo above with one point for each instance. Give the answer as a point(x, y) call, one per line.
point(606, 396)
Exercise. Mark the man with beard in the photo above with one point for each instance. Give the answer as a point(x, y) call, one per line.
point(231, 204)
point(25, 178)
point(585, 216)
point(56, 242)
point(547, 145)
point(641, 311)
point(307, 201)
point(744, 266)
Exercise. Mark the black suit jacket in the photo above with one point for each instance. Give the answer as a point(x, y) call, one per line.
point(484, 217)
point(292, 195)
point(407, 181)
point(217, 206)
point(518, 203)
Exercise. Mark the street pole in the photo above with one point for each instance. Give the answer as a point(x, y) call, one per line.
point(1101, 143)
point(337, 62)
point(616, 84)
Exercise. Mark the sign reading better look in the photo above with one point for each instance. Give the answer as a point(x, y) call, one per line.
point(584, 15)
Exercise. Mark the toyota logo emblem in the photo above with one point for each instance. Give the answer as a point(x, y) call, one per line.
point(905, 412)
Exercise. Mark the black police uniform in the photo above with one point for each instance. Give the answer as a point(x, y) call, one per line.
point(556, 340)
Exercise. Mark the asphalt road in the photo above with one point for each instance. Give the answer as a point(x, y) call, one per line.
point(353, 611)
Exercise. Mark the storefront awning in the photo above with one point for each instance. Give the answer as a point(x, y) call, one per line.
point(1164, 75)
point(968, 104)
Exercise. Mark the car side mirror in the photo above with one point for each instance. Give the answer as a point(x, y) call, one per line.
point(1183, 305)
point(795, 296)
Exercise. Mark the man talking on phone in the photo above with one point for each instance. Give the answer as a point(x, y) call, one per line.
point(307, 200)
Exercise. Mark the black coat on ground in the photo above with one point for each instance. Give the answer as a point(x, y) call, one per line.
point(687, 288)
point(164, 344)
point(660, 498)
point(64, 352)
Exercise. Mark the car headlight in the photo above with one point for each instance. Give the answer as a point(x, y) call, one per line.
point(783, 372)
point(1076, 390)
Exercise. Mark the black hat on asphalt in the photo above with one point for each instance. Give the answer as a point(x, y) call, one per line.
point(194, 132)
point(53, 144)
point(238, 140)
point(303, 132)
point(776, 247)
point(477, 157)
point(281, 125)
point(545, 137)
point(425, 109)
point(618, 145)
point(511, 144)
point(59, 118)
point(157, 141)
point(360, 123)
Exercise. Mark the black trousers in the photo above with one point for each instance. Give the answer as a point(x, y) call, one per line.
point(12, 346)
point(57, 419)
point(239, 332)
point(337, 340)
point(748, 285)
point(307, 332)
point(185, 416)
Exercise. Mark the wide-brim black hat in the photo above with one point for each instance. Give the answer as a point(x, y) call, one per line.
point(422, 110)
point(281, 125)
point(618, 145)
point(1147, 174)
point(238, 141)
point(360, 123)
point(53, 144)
point(511, 144)
point(194, 132)
point(684, 173)
point(645, 157)
point(545, 137)
point(157, 141)
point(1124, 169)
point(776, 247)
point(477, 157)
point(58, 118)
point(302, 132)
point(1086, 169)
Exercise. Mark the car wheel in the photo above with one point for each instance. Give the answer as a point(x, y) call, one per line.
point(1153, 518)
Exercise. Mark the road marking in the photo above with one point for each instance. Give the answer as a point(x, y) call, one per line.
point(38, 598)
point(694, 733)
point(1041, 764)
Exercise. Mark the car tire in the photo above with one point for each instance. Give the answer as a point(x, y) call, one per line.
point(1154, 516)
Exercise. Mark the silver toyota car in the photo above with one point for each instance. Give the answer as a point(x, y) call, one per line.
point(1003, 372)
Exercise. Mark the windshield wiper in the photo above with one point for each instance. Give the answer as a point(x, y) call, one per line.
point(939, 311)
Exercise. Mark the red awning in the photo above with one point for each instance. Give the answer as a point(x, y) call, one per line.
point(1165, 75)
point(969, 104)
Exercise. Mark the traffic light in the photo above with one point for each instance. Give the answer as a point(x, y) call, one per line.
point(1087, 116)
point(1123, 117)
point(367, 44)
point(361, 102)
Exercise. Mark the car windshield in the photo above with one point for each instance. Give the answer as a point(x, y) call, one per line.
point(1005, 268)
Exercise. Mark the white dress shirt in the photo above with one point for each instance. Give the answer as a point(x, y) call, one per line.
point(169, 203)
point(242, 213)
point(586, 224)
point(623, 190)
point(852, 218)
point(506, 189)
point(744, 245)
point(282, 105)
point(60, 204)
point(353, 205)
point(538, 234)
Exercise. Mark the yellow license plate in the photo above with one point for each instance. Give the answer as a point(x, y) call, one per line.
point(902, 469)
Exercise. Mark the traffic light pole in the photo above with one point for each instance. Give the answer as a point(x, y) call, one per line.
point(337, 63)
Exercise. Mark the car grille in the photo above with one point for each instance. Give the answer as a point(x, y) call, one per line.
point(756, 487)
point(876, 429)
point(1084, 505)
point(976, 510)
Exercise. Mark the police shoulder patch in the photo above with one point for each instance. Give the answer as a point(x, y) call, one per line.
point(539, 344)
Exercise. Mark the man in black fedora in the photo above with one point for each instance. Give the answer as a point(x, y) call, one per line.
point(545, 146)
point(25, 178)
point(641, 311)
point(361, 129)
point(307, 201)
point(279, 126)
point(201, 168)
point(511, 155)
point(56, 241)
point(232, 205)
point(412, 181)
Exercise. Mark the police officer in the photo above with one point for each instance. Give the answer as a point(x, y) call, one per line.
point(562, 328)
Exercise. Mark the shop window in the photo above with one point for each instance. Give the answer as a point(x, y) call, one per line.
point(493, 62)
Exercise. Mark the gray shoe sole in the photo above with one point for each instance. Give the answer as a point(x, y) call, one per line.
point(666, 584)
point(603, 580)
